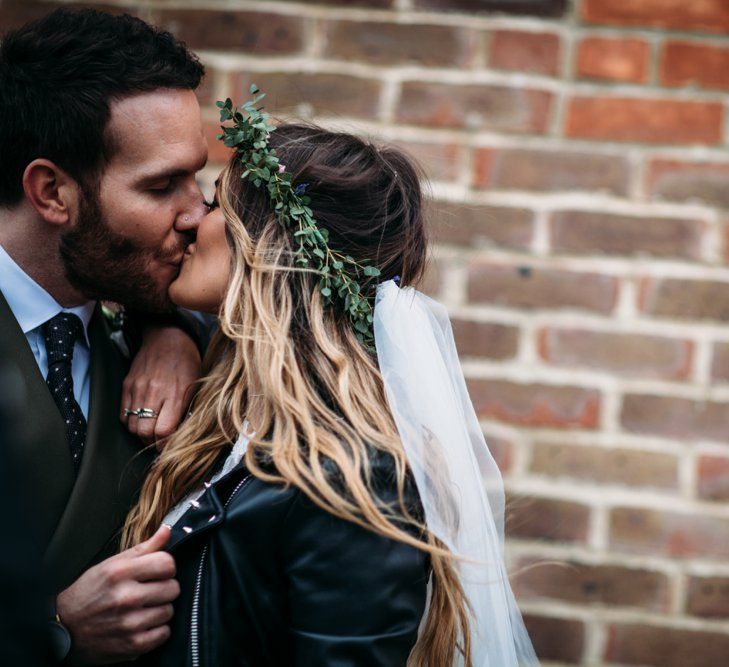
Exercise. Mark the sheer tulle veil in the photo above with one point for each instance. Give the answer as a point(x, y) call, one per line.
point(456, 476)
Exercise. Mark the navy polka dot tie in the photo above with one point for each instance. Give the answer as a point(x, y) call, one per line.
point(61, 333)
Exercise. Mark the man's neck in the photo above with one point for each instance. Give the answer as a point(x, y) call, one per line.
point(34, 248)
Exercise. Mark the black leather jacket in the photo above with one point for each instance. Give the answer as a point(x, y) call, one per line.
point(270, 579)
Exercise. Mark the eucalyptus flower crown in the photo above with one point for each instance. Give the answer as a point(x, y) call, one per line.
point(339, 274)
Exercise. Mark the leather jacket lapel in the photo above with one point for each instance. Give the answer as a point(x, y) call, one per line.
point(111, 473)
point(205, 513)
point(42, 451)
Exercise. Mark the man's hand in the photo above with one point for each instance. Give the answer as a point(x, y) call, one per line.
point(165, 366)
point(119, 609)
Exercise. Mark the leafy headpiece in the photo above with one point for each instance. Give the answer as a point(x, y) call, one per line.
point(339, 274)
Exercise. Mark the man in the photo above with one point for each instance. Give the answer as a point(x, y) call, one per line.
point(100, 141)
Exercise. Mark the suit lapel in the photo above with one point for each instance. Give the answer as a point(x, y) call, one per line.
point(111, 471)
point(41, 450)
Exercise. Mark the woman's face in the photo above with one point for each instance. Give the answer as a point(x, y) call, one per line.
point(205, 269)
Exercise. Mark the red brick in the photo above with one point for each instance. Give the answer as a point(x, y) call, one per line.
point(502, 449)
point(654, 532)
point(690, 63)
point(708, 15)
point(15, 13)
point(625, 467)
point(675, 417)
point(536, 404)
point(324, 94)
point(588, 233)
point(655, 646)
point(550, 171)
point(720, 362)
point(708, 597)
point(582, 583)
point(485, 339)
point(713, 478)
point(623, 354)
point(205, 92)
point(432, 281)
point(546, 519)
point(373, 4)
point(532, 52)
point(537, 288)
point(441, 162)
point(479, 226)
point(497, 108)
point(217, 152)
point(559, 639)
point(249, 32)
point(685, 299)
point(702, 182)
point(613, 59)
point(368, 4)
point(642, 120)
point(382, 43)
point(553, 8)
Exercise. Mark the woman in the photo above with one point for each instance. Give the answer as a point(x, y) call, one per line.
point(307, 544)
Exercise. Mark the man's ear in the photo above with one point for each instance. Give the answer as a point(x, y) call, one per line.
point(51, 191)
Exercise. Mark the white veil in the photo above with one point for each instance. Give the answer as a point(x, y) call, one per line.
point(458, 481)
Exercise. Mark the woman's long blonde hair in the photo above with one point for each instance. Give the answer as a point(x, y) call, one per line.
point(295, 370)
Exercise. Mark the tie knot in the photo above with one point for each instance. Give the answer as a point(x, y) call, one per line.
point(61, 333)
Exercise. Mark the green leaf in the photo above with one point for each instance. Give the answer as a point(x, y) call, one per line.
point(371, 271)
point(326, 292)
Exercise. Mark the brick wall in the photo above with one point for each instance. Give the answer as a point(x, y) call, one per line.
point(580, 176)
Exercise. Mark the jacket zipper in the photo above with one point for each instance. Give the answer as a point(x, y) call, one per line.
point(195, 617)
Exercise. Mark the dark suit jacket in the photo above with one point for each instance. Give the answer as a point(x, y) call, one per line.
point(23, 612)
point(78, 520)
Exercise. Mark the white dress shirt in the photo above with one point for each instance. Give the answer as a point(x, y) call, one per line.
point(33, 307)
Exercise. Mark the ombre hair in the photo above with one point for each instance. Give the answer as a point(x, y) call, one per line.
point(294, 369)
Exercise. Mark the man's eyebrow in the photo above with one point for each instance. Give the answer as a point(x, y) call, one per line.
point(167, 174)
point(164, 175)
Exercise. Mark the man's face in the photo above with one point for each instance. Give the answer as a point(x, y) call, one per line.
point(132, 229)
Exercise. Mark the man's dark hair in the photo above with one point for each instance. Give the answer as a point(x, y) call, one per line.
point(58, 78)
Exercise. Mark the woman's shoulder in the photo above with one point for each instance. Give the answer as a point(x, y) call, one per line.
point(381, 479)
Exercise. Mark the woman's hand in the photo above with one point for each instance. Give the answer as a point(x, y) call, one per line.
point(167, 363)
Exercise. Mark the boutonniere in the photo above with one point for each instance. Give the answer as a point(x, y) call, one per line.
point(115, 317)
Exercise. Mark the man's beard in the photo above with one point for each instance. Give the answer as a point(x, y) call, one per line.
point(105, 265)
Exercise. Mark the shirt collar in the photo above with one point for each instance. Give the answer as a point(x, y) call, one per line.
point(32, 306)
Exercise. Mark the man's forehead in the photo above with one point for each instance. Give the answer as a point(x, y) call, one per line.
point(158, 129)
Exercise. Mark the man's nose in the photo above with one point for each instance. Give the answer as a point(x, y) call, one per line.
point(189, 220)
